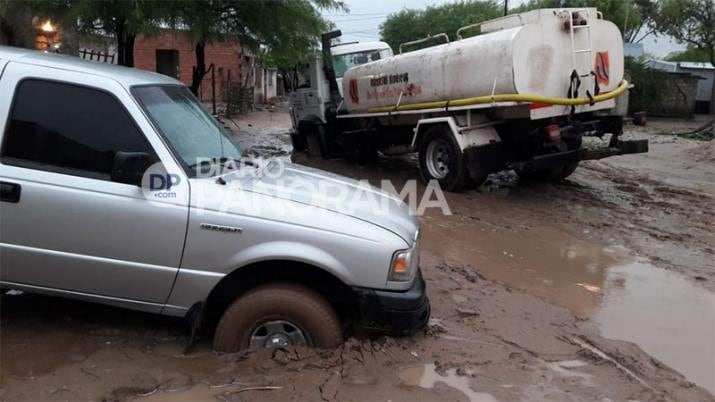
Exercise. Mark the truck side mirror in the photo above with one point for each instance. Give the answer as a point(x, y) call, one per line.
point(129, 167)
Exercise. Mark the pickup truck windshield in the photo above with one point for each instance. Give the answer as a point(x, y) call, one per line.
point(194, 134)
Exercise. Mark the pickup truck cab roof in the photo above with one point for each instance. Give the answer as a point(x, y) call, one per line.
point(126, 76)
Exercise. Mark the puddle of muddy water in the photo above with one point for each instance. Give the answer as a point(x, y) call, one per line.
point(668, 316)
point(550, 264)
point(427, 376)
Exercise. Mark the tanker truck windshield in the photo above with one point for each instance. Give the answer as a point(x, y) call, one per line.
point(342, 62)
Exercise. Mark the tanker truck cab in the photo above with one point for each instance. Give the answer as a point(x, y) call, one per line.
point(535, 92)
point(312, 94)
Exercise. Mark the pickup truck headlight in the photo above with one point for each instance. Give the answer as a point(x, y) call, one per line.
point(405, 263)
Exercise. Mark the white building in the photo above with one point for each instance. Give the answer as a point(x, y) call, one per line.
point(705, 71)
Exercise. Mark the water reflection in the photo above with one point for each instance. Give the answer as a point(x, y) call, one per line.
point(668, 316)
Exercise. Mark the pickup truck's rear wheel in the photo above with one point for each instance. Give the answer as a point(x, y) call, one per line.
point(441, 159)
point(278, 315)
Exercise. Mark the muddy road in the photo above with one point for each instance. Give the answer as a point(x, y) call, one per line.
point(596, 288)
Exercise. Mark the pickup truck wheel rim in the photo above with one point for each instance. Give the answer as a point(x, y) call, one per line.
point(277, 334)
point(437, 158)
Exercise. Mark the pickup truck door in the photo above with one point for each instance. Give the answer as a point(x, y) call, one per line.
point(65, 226)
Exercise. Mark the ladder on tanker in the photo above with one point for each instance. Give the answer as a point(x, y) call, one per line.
point(583, 53)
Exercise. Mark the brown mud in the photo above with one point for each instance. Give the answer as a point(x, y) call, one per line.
point(598, 287)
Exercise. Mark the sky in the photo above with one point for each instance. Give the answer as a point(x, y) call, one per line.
point(363, 21)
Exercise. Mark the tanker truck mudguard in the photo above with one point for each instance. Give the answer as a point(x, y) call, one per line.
point(536, 92)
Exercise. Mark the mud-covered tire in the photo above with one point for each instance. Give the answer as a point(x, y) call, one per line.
point(364, 154)
point(568, 169)
point(539, 175)
point(454, 173)
point(553, 174)
point(298, 141)
point(292, 303)
point(314, 143)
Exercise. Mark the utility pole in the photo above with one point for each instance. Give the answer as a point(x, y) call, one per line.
point(506, 7)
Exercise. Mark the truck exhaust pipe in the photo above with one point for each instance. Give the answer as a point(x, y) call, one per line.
point(326, 40)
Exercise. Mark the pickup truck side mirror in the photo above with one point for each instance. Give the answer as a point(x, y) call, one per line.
point(129, 167)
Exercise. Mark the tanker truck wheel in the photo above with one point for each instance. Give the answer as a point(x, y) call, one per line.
point(552, 174)
point(568, 169)
point(442, 160)
point(314, 143)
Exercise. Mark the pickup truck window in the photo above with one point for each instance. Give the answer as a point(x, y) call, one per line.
point(68, 129)
point(191, 131)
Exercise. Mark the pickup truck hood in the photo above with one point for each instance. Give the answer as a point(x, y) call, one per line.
point(336, 193)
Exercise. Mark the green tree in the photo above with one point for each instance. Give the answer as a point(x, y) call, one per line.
point(121, 19)
point(690, 54)
point(287, 28)
point(15, 28)
point(409, 24)
point(691, 22)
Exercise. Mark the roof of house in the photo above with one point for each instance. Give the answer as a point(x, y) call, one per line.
point(662, 65)
point(124, 75)
point(695, 65)
point(679, 66)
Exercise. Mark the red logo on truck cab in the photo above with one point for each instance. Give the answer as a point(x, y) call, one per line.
point(354, 94)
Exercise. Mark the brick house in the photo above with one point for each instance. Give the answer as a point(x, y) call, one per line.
point(172, 53)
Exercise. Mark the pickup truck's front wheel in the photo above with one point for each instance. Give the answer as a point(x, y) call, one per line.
point(278, 315)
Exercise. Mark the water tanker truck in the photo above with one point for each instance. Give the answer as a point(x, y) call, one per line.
point(524, 94)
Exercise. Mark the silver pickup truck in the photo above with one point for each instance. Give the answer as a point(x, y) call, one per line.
point(115, 189)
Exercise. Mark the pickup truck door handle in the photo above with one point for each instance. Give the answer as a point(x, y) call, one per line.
point(9, 192)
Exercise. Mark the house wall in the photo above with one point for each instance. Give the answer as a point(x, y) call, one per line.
point(271, 82)
point(705, 85)
point(265, 85)
point(675, 98)
point(702, 72)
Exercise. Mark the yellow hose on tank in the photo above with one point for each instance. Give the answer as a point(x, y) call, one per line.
point(504, 98)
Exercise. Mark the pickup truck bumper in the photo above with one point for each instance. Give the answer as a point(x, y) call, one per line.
point(392, 312)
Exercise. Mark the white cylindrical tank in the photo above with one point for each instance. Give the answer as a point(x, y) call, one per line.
point(531, 53)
